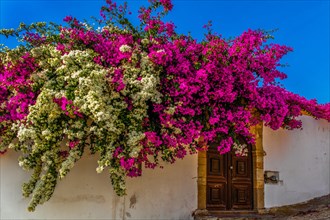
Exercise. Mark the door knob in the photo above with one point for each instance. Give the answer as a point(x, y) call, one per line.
point(231, 167)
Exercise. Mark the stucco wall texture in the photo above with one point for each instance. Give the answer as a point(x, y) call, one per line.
point(169, 193)
point(300, 156)
point(302, 159)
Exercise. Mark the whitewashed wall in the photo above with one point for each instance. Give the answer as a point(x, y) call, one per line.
point(300, 156)
point(169, 193)
point(302, 159)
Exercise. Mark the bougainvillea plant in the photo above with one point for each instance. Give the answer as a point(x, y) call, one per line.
point(135, 95)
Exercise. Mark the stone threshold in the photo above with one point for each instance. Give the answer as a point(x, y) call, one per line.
point(226, 215)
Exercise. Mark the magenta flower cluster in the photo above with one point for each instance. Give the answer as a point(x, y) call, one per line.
point(67, 107)
point(16, 92)
point(212, 91)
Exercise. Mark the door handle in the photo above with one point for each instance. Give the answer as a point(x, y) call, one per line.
point(231, 167)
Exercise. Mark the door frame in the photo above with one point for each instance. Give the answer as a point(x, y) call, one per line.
point(257, 171)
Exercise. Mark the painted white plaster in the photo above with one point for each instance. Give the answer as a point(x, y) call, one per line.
point(302, 159)
point(169, 193)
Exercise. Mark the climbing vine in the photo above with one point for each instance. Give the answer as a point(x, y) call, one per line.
point(135, 95)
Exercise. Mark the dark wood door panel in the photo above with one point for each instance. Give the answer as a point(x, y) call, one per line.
point(241, 196)
point(217, 195)
point(216, 165)
point(215, 168)
point(241, 168)
point(229, 181)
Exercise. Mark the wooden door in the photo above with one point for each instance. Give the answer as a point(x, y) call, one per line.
point(229, 181)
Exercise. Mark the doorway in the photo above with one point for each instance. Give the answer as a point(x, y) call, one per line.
point(257, 171)
point(229, 181)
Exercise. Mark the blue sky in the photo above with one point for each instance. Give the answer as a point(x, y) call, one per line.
point(303, 25)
